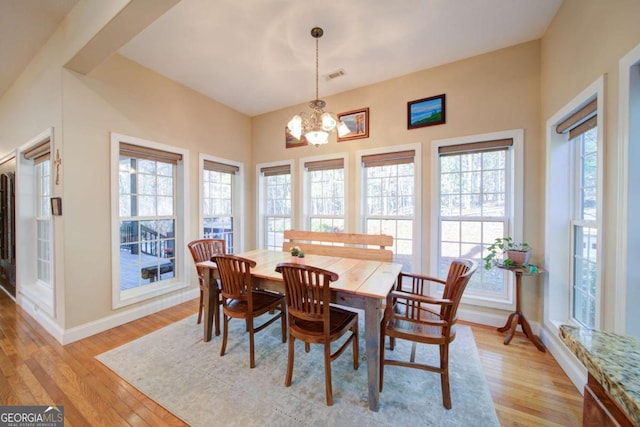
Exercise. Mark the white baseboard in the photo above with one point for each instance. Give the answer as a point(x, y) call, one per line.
point(569, 363)
point(47, 322)
point(496, 320)
point(67, 336)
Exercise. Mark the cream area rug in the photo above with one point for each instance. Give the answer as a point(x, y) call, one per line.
point(175, 368)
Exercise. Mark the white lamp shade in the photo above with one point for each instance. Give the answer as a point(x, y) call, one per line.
point(295, 126)
point(317, 137)
point(328, 122)
point(343, 129)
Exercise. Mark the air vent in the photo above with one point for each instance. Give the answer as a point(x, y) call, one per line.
point(334, 75)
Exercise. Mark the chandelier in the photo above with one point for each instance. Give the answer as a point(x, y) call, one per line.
point(317, 125)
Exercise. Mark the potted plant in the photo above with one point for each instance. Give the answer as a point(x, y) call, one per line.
point(297, 255)
point(517, 254)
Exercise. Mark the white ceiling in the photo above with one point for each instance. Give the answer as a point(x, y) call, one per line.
point(258, 56)
point(25, 25)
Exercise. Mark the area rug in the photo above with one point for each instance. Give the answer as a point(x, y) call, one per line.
point(176, 369)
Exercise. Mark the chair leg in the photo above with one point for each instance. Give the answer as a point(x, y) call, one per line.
point(225, 330)
point(200, 307)
point(216, 318)
point(307, 347)
point(283, 321)
point(444, 376)
point(289, 376)
point(356, 345)
point(413, 351)
point(252, 357)
point(327, 373)
point(381, 360)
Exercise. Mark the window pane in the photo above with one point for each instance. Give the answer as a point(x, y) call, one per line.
point(325, 200)
point(147, 247)
point(389, 208)
point(277, 206)
point(473, 213)
point(43, 264)
point(585, 250)
point(584, 275)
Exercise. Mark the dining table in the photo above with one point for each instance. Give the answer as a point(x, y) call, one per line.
point(362, 284)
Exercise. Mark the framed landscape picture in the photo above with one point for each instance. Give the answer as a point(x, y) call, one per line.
point(426, 112)
point(358, 123)
point(291, 141)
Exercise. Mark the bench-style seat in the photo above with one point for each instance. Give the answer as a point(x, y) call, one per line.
point(151, 273)
point(347, 245)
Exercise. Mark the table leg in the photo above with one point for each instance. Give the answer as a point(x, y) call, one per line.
point(526, 328)
point(515, 319)
point(507, 324)
point(209, 305)
point(372, 336)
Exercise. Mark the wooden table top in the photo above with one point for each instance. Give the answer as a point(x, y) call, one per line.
point(360, 277)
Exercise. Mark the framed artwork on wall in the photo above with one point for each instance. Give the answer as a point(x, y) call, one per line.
point(291, 141)
point(358, 123)
point(56, 206)
point(426, 112)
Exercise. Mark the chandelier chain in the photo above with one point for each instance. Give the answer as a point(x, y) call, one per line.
point(316, 68)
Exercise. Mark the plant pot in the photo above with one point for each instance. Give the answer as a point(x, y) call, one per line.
point(519, 257)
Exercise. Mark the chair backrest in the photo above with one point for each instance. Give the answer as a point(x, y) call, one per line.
point(307, 291)
point(204, 249)
point(460, 272)
point(235, 276)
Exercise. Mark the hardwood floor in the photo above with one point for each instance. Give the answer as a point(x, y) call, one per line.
point(528, 387)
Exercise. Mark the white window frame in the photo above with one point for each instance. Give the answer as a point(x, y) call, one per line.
point(180, 280)
point(559, 202)
point(237, 208)
point(42, 296)
point(626, 317)
point(305, 213)
point(515, 190)
point(261, 199)
point(416, 263)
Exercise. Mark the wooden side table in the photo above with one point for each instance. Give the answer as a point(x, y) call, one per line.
point(517, 317)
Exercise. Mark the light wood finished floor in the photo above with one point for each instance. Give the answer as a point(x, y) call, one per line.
point(528, 387)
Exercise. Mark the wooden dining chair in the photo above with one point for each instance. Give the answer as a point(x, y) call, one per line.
point(202, 250)
point(312, 319)
point(412, 314)
point(241, 301)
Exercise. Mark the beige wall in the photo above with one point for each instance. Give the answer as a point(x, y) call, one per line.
point(488, 93)
point(586, 40)
point(121, 96)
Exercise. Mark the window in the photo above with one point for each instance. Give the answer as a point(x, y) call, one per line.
point(275, 205)
point(573, 216)
point(32, 204)
point(149, 220)
point(219, 201)
point(325, 195)
point(43, 220)
point(391, 185)
point(583, 138)
point(475, 205)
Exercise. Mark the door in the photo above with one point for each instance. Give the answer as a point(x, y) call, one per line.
point(7, 226)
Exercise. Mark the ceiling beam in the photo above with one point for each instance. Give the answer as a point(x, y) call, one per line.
point(131, 20)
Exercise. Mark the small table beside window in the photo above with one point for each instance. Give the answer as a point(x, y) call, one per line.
point(517, 317)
